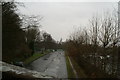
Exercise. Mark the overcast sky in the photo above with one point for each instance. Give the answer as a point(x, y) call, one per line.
point(60, 18)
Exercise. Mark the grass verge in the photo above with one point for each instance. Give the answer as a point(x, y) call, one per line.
point(79, 70)
point(69, 68)
point(34, 57)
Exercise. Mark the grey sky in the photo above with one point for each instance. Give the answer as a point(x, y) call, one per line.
point(59, 18)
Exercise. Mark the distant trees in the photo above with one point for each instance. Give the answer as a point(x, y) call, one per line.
point(47, 42)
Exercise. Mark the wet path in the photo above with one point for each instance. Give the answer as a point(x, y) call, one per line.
point(53, 64)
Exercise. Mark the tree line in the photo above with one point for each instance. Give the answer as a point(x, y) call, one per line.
point(96, 48)
point(21, 34)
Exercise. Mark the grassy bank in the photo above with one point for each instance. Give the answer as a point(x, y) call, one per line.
point(79, 70)
point(34, 57)
point(69, 68)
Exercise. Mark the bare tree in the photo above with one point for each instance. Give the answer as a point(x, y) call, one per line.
point(80, 36)
point(31, 25)
point(108, 37)
point(30, 21)
point(94, 24)
point(94, 28)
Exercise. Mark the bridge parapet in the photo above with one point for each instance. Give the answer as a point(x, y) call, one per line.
point(5, 67)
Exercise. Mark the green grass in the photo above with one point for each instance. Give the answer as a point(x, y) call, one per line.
point(34, 57)
point(69, 69)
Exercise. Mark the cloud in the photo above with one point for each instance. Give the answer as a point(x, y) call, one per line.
point(60, 17)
